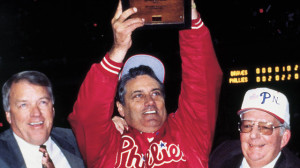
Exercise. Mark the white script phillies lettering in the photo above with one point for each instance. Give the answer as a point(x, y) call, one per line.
point(158, 154)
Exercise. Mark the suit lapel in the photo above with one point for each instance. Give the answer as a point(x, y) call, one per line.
point(11, 156)
point(68, 150)
point(12, 153)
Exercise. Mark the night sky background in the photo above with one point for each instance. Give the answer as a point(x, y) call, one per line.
point(62, 38)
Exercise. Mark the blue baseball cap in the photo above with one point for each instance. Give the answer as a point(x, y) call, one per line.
point(148, 60)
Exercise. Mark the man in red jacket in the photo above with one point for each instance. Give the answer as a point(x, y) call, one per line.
point(154, 139)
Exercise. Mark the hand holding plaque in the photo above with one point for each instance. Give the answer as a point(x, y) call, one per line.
point(162, 12)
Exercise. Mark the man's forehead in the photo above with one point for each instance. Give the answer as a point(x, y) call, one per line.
point(22, 88)
point(258, 115)
point(145, 90)
point(142, 80)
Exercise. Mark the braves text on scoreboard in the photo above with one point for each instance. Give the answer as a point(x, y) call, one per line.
point(263, 74)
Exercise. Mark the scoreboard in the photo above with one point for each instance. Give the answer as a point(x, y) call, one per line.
point(264, 74)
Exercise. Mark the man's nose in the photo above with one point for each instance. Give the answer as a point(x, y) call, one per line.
point(35, 111)
point(255, 132)
point(149, 100)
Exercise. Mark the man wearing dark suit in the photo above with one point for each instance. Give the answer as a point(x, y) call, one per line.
point(229, 155)
point(28, 103)
point(264, 133)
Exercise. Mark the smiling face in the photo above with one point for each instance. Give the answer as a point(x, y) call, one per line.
point(259, 149)
point(144, 107)
point(31, 112)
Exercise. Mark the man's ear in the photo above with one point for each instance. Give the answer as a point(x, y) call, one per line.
point(53, 111)
point(8, 117)
point(285, 138)
point(120, 109)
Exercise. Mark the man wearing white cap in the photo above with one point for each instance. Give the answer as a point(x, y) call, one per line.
point(154, 138)
point(264, 132)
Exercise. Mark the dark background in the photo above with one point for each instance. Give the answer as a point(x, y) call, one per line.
point(62, 38)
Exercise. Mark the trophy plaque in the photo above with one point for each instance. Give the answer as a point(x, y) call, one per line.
point(161, 13)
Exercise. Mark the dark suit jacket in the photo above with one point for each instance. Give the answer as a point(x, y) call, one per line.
point(11, 156)
point(229, 155)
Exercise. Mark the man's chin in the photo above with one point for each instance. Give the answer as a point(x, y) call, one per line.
point(38, 139)
point(151, 128)
point(255, 156)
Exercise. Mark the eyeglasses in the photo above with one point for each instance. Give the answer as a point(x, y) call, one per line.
point(265, 128)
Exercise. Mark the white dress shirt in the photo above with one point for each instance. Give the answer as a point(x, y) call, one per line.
point(33, 157)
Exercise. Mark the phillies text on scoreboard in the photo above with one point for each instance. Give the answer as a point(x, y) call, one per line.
point(263, 74)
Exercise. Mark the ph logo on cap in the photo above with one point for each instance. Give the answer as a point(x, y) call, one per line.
point(267, 100)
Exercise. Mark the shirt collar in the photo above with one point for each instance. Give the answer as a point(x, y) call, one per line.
point(31, 154)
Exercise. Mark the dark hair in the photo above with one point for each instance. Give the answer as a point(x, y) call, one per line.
point(33, 77)
point(134, 72)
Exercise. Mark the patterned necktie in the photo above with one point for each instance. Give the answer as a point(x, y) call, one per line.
point(46, 160)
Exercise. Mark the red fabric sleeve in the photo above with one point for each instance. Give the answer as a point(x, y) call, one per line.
point(200, 88)
point(92, 111)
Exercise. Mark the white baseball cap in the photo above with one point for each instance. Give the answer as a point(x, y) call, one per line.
point(267, 100)
point(148, 60)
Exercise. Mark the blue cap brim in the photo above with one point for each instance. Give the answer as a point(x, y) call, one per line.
point(148, 60)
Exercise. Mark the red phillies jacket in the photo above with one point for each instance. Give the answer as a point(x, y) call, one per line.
point(184, 140)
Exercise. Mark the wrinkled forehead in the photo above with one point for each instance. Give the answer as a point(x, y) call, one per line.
point(142, 82)
point(258, 115)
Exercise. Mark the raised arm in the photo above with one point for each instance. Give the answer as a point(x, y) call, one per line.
point(92, 111)
point(122, 29)
point(201, 83)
